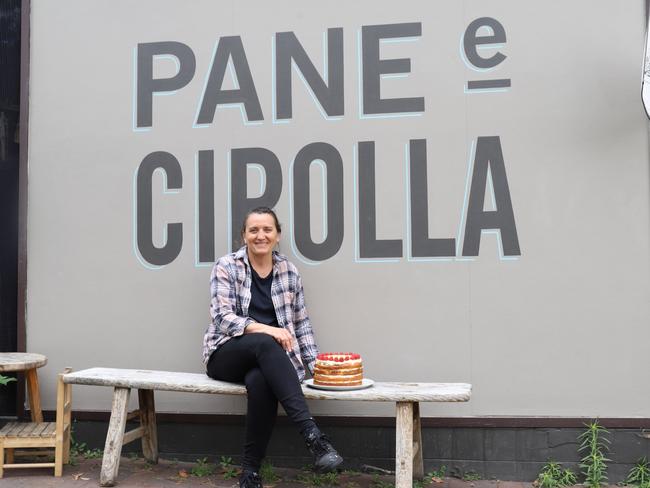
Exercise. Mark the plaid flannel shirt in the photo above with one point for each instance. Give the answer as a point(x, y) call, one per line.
point(230, 288)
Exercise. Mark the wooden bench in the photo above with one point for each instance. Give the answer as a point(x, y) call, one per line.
point(407, 397)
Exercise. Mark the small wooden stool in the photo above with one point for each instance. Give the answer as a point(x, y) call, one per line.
point(41, 434)
point(28, 362)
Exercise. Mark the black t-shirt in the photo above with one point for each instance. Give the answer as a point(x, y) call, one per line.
point(261, 308)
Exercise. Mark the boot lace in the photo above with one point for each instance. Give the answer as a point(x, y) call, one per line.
point(250, 479)
point(322, 445)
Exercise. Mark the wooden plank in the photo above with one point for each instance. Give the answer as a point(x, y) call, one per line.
point(50, 430)
point(201, 383)
point(24, 442)
point(67, 417)
point(39, 430)
point(60, 411)
point(34, 395)
point(114, 437)
point(418, 461)
point(18, 428)
point(132, 435)
point(9, 456)
point(29, 428)
point(6, 428)
point(133, 415)
point(29, 465)
point(404, 445)
point(2, 457)
point(148, 422)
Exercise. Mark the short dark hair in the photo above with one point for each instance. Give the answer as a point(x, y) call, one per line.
point(261, 210)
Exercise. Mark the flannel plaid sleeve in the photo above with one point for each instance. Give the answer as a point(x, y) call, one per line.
point(223, 304)
point(302, 327)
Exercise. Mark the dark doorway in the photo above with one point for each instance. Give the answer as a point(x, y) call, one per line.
point(9, 115)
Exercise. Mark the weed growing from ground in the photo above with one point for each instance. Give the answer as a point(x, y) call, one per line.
point(594, 464)
point(202, 469)
point(80, 449)
point(315, 479)
point(377, 483)
point(471, 476)
point(430, 477)
point(229, 471)
point(553, 476)
point(437, 473)
point(268, 474)
point(639, 475)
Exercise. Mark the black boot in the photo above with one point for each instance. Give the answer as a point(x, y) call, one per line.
point(325, 456)
point(249, 479)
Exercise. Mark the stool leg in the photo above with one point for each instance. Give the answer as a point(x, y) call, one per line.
point(58, 454)
point(418, 464)
point(34, 396)
point(148, 422)
point(9, 455)
point(114, 437)
point(2, 458)
point(404, 445)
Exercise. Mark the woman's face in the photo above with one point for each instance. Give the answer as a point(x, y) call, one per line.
point(260, 234)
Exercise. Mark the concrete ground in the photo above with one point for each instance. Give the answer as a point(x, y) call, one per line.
point(137, 473)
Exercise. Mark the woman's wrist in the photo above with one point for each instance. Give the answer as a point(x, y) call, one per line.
point(255, 327)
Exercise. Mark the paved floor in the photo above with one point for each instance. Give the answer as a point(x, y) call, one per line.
point(137, 473)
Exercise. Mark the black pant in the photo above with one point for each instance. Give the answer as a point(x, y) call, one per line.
point(260, 362)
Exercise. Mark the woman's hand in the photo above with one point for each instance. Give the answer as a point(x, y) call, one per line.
point(282, 336)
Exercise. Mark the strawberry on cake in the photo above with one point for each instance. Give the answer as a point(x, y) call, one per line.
point(338, 369)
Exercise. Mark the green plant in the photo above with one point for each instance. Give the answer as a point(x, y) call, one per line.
point(437, 473)
point(594, 464)
point(229, 471)
point(378, 483)
point(471, 476)
point(5, 380)
point(202, 468)
point(268, 474)
point(315, 479)
point(640, 474)
point(350, 472)
point(553, 476)
point(80, 449)
point(331, 479)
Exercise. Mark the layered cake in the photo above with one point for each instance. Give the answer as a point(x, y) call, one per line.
point(338, 369)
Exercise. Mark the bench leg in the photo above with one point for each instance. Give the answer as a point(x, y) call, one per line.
point(404, 445)
point(418, 464)
point(148, 423)
point(114, 437)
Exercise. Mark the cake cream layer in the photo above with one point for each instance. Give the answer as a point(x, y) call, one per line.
point(336, 380)
point(351, 363)
point(321, 370)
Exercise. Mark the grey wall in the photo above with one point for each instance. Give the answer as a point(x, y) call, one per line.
point(557, 327)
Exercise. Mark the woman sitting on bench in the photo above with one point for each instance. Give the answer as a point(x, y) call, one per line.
point(260, 335)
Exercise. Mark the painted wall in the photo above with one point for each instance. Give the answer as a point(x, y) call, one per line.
point(463, 185)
